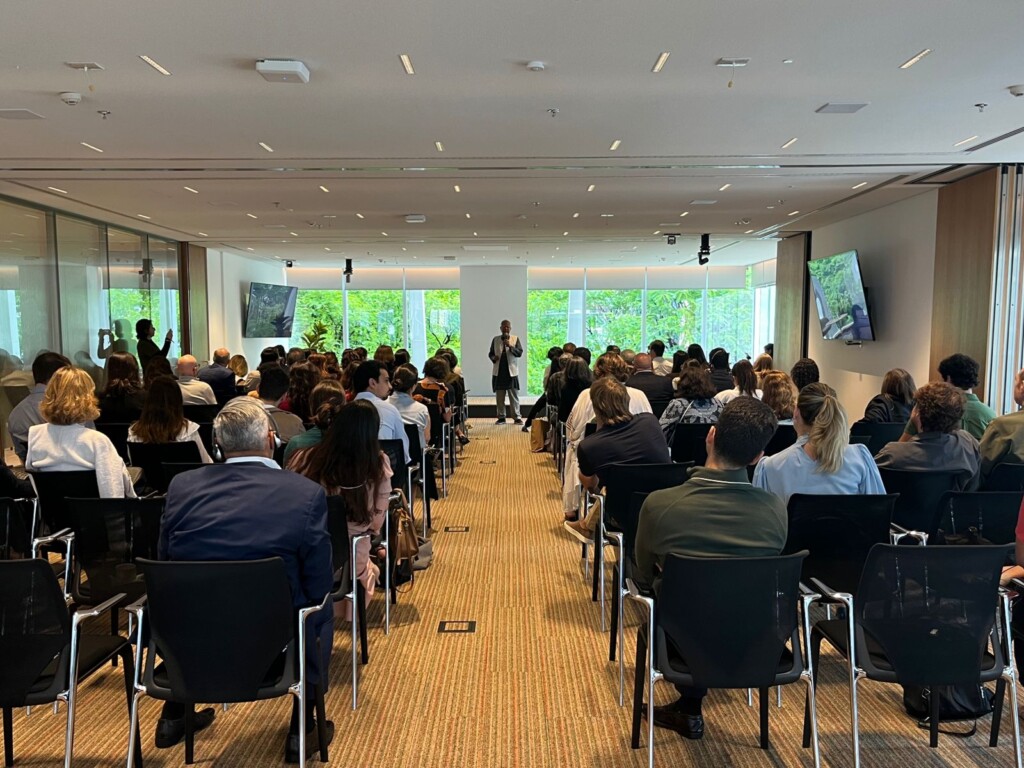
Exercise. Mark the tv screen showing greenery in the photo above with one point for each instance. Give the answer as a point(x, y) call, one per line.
point(271, 311)
point(838, 294)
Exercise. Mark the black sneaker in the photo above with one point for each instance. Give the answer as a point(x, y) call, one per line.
point(291, 748)
point(518, 421)
point(170, 732)
point(671, 717)
point(500, 421)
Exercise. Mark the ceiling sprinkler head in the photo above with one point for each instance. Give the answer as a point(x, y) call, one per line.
point(553, 111)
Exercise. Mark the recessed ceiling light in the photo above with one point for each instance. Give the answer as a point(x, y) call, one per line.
point(724, 187)
point(294, 234)
point(250, 249)
point(193, 191)
point(87, 145)
point(592, 187)
point(793, 213)
point(468, 216)
point(789, 143)
point(154, 65)
point(968, 140)
point(202, 234)
point(329, 216)
point(576, 215)
point(787, 61)
point(660, 63)
point(324, 189)
point(58, 189)
point(439, 146)
point(607, 215)
point(914, 59)
point(475, 235)
point(327, 249)
point(615, 145)
point(858, 186)
point(406, 63)
point(252, 216)
point(143, 216)
point(266, 146)
point(457, 188)
point(565, 234)
point(684, 213)
point(385, 234)
point(656, 232)
point(748, 232)
point(360, 216)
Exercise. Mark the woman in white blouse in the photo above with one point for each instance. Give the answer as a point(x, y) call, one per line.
point(744, 383)
point(163, 419)
point(65, 444)
point(411, 410)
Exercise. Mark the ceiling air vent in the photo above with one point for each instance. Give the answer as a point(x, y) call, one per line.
point(416, 218)
point(840, 108)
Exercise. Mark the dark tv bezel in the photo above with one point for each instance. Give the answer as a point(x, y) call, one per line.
point(863, 288)
point(248, 301)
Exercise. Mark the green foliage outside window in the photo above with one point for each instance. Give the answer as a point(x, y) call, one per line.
point(443, 320)
point(547, 325)
point(326, 307)
point(613, 317)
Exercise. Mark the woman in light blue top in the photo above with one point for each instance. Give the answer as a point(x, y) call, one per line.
point(822, 459)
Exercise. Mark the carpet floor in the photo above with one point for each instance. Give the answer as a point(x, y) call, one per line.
point(530, 685)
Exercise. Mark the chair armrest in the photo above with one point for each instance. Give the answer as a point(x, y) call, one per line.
point(65, 535)
point(309, 610)
point(87, 613)
point(1019, 584)
point(828, 595)
point(897, 532)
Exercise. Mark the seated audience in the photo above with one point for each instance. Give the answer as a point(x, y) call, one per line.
point(402, 357)
point(247, 509)
point(273, 386)
point(961, 372)
point(453, 361)
point(348, 462)
point(779, 395)
point(456, 391)
point(319, 362)
point(411, 410)
point(679, 359)
point(385, 354)
point(158, 366)
point(628, 356)
point(332, 368)
point(220, 378)
point(762, 365)
point(433, 389)
point(721, 374)
point(193, 391)
point(613, 348)
point(696, 352)
point(65, 444)
point(245, 380)
point(895, 401)
point(822, 460)
point(1003, 441)
point(302, 377)
point(744, 383)
point(575, 378)
point(583, 353)
point(659, 364)
point(694, 403)
point(373, 383)
point(163, 419)
point(541, 403)
point(621, 438)
point(804, 372)
point(657, 388)
point(938, 445)
point(122, 397)
point(295, 356)
point(716, 513)
point(26, 414)
point(269, 356)
point(326, 394)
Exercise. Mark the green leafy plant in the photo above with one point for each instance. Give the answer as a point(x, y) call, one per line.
point(315, 337)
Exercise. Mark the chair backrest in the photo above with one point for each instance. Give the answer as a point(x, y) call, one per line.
point(151, 457)
point(436, 424)
point(879, 433)
point(1006, 477)
point(622, 481)
point(412, 434)
point(785, 436)
point(171, 469)
point(54, 488)
point(217, 644)
point(730, 618)
point(34, 626)
point(994, 514)
point(337, 527)
point(14, 523)
point(203, 415)
point(931, 609)
point(688, 443)
point(118, 434)
point(589, 428)
point(919, 495)
point(16, 394)
point(395, 452)
point(864, 440)
point(837, 532)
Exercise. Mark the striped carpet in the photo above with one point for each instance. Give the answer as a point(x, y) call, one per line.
point(530, 687)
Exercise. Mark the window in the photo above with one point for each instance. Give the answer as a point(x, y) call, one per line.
point(548, 321)
point(327, 307)
point(374, 318)
point(675, 317)
point(729, 321)
point(614, 317)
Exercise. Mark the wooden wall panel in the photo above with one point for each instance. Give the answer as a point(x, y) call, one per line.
point(791, 299)
point(965, 238)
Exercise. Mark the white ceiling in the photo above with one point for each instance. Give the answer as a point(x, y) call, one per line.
point(366, 130)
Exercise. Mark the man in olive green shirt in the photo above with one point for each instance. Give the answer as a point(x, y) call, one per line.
point(1003, 441)
point(962, 372)
point(715, 513)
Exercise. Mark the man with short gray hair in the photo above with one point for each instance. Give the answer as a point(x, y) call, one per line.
point(193, 391)
point(245, 509)
point(220, 378)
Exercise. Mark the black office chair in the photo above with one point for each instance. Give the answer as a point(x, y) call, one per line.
point(151, 457)
point(688, 443)
point(925, 616)
point(118, 434)
point(1006, 477)
point(171, 470)
point(440, 435)
point(917, 508)
point(51, 525)
point(879, 433)
point(271, 662)
point(395, 451)
point(785, 436)
point(724, 623)
point(837, 532)
point(15, 519)
point(43, 652)
point(346, 583)
point(421, 472)
point(993, 515)
point(203, 415)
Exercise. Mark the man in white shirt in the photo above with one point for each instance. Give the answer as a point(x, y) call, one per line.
point(193, 391)
point(373, 382)
point(659, 364)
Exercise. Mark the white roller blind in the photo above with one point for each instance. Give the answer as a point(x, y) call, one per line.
point(763, 273)
point(319, 279)
point(727, 277)
point(426, 279)
point(615, 279)
point(375, 279)
point(676, 278)
point(555, 279)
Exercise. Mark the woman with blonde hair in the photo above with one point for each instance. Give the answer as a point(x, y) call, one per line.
point(822, 460)
point(65, 444)
point(779, 394)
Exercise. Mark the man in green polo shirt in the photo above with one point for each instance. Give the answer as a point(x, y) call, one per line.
point(962, 371)
point(1004, 439)
point(715, 513)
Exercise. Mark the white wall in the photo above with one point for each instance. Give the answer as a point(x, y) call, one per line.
point(228, 276)
point(896, 246)
point(488, 296)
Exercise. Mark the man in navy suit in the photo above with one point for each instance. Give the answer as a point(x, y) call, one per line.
point(247, 509)
point(220, 378)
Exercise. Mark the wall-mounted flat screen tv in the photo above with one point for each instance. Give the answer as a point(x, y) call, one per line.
point(270, 311)
point(838, 294)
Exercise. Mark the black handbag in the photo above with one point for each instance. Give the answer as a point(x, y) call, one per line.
point(956, 702)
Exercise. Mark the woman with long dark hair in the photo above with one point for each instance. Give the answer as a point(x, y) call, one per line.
point(348, 462)
point(122, 397)
point(744, 382)
point(163, 419)
point(302, 377)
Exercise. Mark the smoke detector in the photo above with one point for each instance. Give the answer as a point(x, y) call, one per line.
point(283, 70)
point(415, 218)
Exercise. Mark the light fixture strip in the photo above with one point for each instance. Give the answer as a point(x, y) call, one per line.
point(87, 145)
point(324, 189)
point(684, 214)
point(143, 216)
point(457, 188)
point(724, 187)
point(968, 140)
point(615, 145)
point(202, 234)
point(193, 191)
point(914, 59)
point(294, 234)
point(58, 189)
point(789, 143)
point(252, 215)
point(266, 146)
point(154, 65)
point(592, 187)
point(360, 216)
point(439, 146)
point(406, 63)
point(793, 213)
point(660, 63)
point(858, 186)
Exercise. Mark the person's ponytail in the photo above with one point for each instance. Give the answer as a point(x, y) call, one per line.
point(820, 408)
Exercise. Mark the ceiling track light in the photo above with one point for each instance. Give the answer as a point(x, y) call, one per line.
point(406, 63)
point(705, 249)
point(660, 63)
